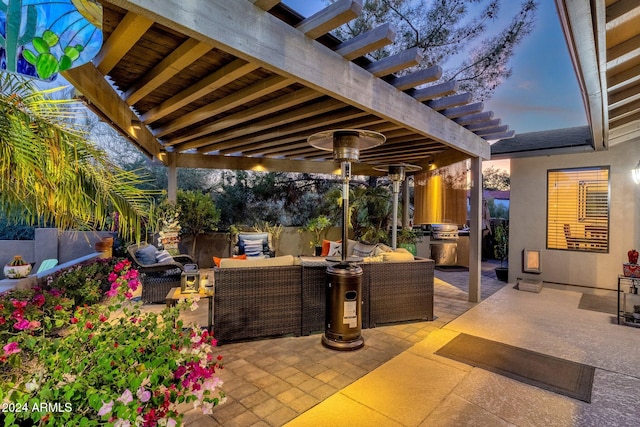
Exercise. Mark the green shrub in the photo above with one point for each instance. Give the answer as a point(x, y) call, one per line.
point(86, 282)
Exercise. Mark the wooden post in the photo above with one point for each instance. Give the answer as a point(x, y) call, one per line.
point(172, 178)
point(475, 236)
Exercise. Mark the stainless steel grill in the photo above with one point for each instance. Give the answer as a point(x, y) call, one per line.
point(443, 244)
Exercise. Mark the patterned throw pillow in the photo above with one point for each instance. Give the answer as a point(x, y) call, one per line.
point(335, 249)
point(163, 257)
point(253, 248)
point(147, 255)
point(363, 250)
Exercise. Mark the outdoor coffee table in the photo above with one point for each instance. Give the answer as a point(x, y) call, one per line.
point(175, 295)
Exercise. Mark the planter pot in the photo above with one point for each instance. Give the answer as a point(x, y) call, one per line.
point(318, 250)
point(411, 247)
point(17, 271)
point(502, 274)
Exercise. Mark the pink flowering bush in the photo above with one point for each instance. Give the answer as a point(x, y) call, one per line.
point(35, 311)
point(113, 365)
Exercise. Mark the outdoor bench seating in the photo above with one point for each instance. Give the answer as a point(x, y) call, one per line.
point(268, 301)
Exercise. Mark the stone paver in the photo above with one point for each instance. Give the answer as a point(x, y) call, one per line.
point(270, 382)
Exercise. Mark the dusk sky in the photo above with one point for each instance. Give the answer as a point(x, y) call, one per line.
point(542, 92)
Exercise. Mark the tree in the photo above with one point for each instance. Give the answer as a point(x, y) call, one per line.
point(444, 32)
point(198, 214)
point(50, 173)
point(495, 179)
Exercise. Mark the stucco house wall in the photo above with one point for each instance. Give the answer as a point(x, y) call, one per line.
point(528, 217)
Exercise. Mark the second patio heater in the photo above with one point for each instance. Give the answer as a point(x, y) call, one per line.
point(343, 316)
point(397, 174)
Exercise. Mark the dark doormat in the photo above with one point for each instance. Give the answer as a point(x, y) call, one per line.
point(599, 303)
point(547, 372)
point(451, 268)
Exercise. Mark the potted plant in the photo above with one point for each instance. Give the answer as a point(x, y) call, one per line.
point(501, 251)
point(407, 238)
point(168, 225)
point(17, 268)
point(318, 228)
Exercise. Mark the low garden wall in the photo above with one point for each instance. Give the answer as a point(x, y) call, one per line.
point(50, 243)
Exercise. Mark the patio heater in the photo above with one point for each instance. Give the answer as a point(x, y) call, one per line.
point(343, 316)
point(396, 173)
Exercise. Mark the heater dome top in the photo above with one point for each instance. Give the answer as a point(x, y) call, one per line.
point(358, 139)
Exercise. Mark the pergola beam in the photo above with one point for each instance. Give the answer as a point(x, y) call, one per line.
point(123, 38)
point(492, 130)
point(366, 42)
point(249, 93)
point(248, 33)
point(267, 164)
point(474, 118)
point(435, 91)
point(179, 59)
point(296, 115)
point(330, 17)
point(464, 110)
point(450, 101)
point(484, 125)
point(265, 109)
point(100, 93)
point(266, 5)
point(399, 61)
point(417, 78)
point(225, 75)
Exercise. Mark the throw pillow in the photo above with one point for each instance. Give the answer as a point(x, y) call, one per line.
point(335, 249)
point(217, 260)
point(253, 248)
point(147, 255)
point(164, 257)
point(363, 250)
point(325, 247)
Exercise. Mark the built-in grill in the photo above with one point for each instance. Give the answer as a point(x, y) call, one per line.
point(444, 244)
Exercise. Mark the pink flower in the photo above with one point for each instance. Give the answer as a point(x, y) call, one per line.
point(18, 304)
point(2, 320)
point(128, 295)
point(58, 307)
point(103, 318)
point(105, 409)
point(38, 300)
point(74, 320)
point(133, 284)
point(88, 325)
point(34, 324)
point(143, 395)
point(112, 292)
point(179, 372)
point(55, 292)
point(131, 274)
point(126, 397)
point(11, 348)
point(22, 324)
point(112, 277)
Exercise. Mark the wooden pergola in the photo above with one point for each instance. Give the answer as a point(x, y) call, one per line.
point(604, 43)
point(241, 84)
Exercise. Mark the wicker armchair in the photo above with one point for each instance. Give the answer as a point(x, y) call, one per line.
point(158, 278)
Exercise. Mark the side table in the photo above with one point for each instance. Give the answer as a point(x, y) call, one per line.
point(175, 295)
point(629, 291)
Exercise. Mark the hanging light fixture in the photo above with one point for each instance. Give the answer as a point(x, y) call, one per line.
point(636, 173)
point(396, 173)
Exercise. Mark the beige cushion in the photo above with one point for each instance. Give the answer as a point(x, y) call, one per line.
point(397, 256)
point(278, 261)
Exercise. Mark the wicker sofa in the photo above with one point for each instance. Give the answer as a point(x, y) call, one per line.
point(257, 301)
point(281, 300)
